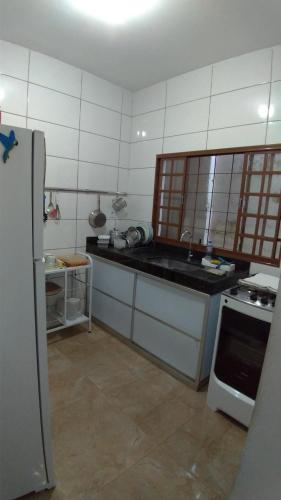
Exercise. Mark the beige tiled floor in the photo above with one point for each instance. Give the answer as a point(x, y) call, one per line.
point(123, 429)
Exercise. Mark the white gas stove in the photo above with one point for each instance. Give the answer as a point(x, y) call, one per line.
point(243, 329)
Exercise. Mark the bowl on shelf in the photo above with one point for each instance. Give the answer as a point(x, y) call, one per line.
point(52, 292)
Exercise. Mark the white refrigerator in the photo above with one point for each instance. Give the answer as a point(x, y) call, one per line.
point(25, 440)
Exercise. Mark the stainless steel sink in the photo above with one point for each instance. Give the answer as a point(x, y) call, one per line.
point(174, 264)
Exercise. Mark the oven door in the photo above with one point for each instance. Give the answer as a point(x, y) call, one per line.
point(241, 349)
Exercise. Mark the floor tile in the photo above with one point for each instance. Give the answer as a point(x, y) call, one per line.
point(93, 443)
point(124, 429)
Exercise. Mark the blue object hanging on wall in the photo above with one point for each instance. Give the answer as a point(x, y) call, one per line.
point(8, 141)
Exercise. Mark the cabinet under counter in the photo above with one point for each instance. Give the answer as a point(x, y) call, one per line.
point(174, 324)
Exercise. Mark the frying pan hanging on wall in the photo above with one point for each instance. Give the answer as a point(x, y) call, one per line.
point(97, 218)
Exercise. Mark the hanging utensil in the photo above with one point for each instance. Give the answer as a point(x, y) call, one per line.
point(118, 203)
point(58, 213)
point(97, 218)
point(50, 207)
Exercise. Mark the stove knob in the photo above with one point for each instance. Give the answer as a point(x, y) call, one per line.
point(264, 300)
point(254, 296)
point(234, 291)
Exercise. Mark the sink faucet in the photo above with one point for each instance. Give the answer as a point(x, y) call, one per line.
point(183, 235)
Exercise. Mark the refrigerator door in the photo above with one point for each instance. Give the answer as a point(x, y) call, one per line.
point(22, 461)
point(39, 166)
point(39, 171)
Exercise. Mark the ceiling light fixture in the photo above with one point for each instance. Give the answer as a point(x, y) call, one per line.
point(114, 11)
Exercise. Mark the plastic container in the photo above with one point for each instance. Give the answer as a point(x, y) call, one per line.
point(209, 249)
point(73, 308)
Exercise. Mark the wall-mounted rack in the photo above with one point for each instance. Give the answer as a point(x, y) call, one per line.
point(86, 191)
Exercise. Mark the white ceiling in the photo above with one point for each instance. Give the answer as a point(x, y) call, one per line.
point(175, 37)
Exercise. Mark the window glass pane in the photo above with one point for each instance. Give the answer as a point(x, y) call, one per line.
point(267, 248)
point(218, 221)
point(161, 231)
point(270, 227)
point(273, 206)
point(277, 251)
point(190, 200)
point(188, 218)
point(229, 241)
point(178, 167)
point(177, 182)
point(250, 225)
point(166, 167)
point(207, 164)
point(238, 163)
point(236, 183)
point(164, 199)
point(174, 216)
point(172, 233)
point(276, 164)
point(253, 203)
point(165, 182)
point(163, 215)
point(224, 164)
point(256, 162)
point(255, 184)
point(191, 183)
point(193, 166)
point(234, 200)
point(201, 219)
point(275, 187)
point(267, 185)
point(205, 184)
point(247, 245)
point(203, 201)
point(217, 238)
point(222, 183)
point(220, 202)
point(231, 223)
point(176, 200)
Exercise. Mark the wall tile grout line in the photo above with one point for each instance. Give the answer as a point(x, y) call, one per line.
point(269, 96)
point(78, 165)
point(165, 113)
point(210, 100)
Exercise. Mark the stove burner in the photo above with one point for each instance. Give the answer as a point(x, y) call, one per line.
point(257, 297)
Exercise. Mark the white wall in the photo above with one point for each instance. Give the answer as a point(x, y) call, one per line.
point(86, 121)
point(223, 105)
point(93, 142)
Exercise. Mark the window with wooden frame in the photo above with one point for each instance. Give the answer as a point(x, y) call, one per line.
point(231, 197)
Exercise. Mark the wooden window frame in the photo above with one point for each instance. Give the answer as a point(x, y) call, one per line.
point(247, 151)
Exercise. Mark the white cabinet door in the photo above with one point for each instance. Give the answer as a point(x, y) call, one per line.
point(180, 309)
point(116, 315)
point(114, 281)
point(171, 346)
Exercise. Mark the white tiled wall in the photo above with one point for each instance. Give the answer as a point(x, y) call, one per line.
point(223, 105)
point(87, 125)
point(101, 136)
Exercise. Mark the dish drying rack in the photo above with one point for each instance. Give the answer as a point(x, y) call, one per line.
point(72, 282)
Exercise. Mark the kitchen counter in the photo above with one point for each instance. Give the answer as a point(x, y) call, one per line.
point(169, 263)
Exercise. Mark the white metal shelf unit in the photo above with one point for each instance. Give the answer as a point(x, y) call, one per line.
point(76, 280)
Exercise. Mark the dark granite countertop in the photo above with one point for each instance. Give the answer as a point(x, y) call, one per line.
point(167, 259)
